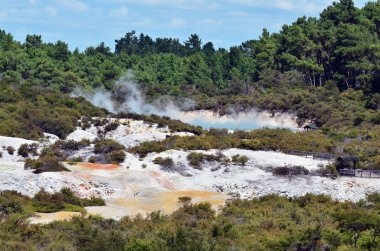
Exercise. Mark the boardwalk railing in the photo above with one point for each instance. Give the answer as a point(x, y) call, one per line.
point(360, 173)
point(314, 155)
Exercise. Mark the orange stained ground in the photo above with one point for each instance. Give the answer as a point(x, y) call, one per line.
point(96, 166)
point(168, 201)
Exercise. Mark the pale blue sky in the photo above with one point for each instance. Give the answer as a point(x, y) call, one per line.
point(83, 23)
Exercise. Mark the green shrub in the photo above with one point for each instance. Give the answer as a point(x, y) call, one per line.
point(11, 202)
point(115, 156)
point(290, 170)
point(147, 147)
point(25, 149)
point(329, 171)
point(111, 127)
point(240, 159)
point(48, 163)
point(195, 159)
point(164, 162)
point(71, 145)
point(10, 150)
point(92, 159)
point(76, 160)
point(64, 200)
point(48, 203)
point(105, 146)
point(93, 202)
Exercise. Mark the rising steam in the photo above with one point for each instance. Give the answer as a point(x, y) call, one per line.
point(126, 96)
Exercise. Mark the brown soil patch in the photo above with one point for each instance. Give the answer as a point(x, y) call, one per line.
point(96, 166)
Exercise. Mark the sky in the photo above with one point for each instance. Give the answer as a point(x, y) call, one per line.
point(84, 23)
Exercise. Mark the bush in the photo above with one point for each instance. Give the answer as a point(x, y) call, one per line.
point(164, 162)
point(92, 159)
point(105, 146)
point(48, 163)
point(100, 122)
point(195, 159)
point(23, 150)
point(240, 159)
point(26, 149)
point(11, 202)
point(93, 202)
point(48, 203)
point(147, 147)
point(115, 157)
point(76, 159)
point(10, 150)
point(111, 127)
point(72, 145)
point(328, 170)
point(63, 200)
point(290, 170)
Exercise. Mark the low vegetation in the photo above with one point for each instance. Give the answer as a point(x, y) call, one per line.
point(27, 111)
point(166, 163)
point(65, 200)
point(289, 170)
point(162, 121)
point(10, 150)
point(195, 159)
point(240, 159)
point(46, 163)
point(310, 222)
point(25, 149)
point(108, 150)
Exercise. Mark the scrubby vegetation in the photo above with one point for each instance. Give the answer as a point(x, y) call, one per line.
point(27, 110)
point(108, 150)
point(46, 163)
point(289, 170)
point(195, 159)
point(264, 139)
point(272, 139)
point(324, 70)
point(311, 222)
point(240, 159)
point(162, 121)
point(166, 163)
point(328, 171)
point(65, 200)
point(19, 206)
point(10, 150)
point(24, 150)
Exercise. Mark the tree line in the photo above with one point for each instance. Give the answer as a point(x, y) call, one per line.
point(339, 48)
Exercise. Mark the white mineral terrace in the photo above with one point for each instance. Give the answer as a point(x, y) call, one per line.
point(140, 186)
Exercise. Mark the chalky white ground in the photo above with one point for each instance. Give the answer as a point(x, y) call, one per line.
point(132, 181)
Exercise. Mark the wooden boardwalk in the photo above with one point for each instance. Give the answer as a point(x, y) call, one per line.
point(360, 173)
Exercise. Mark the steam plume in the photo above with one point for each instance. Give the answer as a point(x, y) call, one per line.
point(126, 96)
